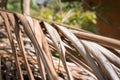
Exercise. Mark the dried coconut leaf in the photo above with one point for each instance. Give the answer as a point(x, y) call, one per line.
point(76, 43)
point(31, 23)
point(103, 62)
point(86, 38)
point(7, 27)
point(74, 59)
point(79, 61)
point(59, 46)
point(111, 56)
point(115, 51)
point(1, 20)
point(23, 52)
point(109, 42)
point(48, 65)
point(39, 37)
point(36, 28)
point(11, 20)
point(41, 66)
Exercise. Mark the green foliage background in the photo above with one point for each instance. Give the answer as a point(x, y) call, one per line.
point(72, 13)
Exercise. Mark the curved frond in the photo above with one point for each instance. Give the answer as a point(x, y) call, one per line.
point(31, 44)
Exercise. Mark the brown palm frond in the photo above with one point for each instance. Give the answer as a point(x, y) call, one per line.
point(29, 44)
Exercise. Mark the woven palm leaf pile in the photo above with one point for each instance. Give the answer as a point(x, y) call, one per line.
point(28, 47)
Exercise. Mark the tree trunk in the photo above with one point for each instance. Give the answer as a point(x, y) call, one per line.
point(3, 4)
point(25, 6)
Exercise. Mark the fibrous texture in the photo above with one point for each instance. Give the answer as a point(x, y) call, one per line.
point(28, 46)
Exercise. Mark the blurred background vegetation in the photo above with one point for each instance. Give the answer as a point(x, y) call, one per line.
point(67, 12)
